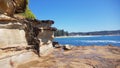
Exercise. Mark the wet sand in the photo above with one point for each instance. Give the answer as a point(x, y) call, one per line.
point(79, 57)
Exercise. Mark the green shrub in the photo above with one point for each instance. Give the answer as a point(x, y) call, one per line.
point(28, 13)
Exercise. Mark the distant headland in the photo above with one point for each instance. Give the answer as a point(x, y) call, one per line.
point(62, 33)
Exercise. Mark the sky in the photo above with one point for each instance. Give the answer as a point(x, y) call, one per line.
point(79, 15)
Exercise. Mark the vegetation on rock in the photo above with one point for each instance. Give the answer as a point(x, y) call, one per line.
point(28, 13)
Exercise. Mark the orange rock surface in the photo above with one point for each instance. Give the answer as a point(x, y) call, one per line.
point(79, 57)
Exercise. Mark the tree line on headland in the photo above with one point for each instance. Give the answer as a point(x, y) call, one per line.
point(66, 33)
point(61, 33)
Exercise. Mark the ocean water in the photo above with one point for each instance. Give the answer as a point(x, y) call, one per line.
point(90, 40)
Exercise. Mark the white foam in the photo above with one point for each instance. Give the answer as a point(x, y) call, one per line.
point(99, 41)
point(79, 36)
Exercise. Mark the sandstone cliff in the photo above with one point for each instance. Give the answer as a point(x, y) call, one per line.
point(22, 38)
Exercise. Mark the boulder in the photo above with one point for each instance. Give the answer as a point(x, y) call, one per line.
point(56, 45)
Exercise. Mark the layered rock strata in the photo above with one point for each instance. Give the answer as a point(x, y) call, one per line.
point(21, 39)
point(11, 32)
point(13, 43)
point(40, 34)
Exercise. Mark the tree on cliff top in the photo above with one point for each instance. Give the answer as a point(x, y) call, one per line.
point(28, 13)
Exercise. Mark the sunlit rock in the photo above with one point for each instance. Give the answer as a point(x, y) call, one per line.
point(21, 39)
point(11, 32)
point(9, 7)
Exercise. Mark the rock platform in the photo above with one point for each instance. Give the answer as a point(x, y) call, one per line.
point(79, 57)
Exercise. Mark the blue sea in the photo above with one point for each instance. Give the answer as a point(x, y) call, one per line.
point(90, 40)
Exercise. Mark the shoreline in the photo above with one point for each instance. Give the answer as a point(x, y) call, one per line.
point(84, 36)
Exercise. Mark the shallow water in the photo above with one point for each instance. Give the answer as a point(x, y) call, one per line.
point(90, 40)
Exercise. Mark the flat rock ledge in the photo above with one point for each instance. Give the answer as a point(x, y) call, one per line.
point(11, 57)
point(78, 57)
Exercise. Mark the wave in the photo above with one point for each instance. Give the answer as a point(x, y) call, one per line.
point(91, 40)
point(99, 41)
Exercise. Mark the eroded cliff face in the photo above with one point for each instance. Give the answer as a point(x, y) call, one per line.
point(11, 32)
point(22, 39)
point(39, 33)
point(20, 5)
point(9, 7)
point(39, 30)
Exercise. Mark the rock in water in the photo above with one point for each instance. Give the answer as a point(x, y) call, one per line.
point(67, 47)
point(56, 45)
